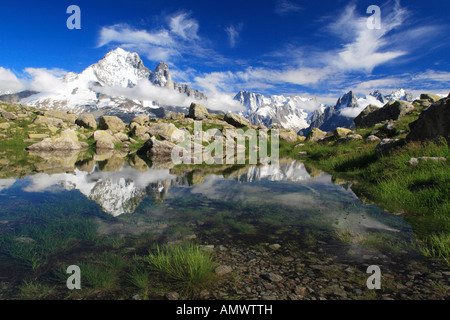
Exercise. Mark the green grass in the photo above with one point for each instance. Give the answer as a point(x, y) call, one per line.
point(420, 192)
point(186, 266)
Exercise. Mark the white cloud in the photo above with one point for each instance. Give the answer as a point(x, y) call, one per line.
point(6, 183)
point(285, 7)
point(233, 32)
point(9, 82)
point(179, 39)
point(184, 26)
point(45, 79)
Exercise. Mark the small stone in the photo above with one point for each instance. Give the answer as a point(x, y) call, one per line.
point(172, 296)
point(136, 297)
point(24, 240)
point(300, 291)
point(223, 269)
point(272, 277)
point(275, 246)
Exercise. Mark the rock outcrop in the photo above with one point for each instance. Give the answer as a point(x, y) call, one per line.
point(288, 135)
point(236, 120)
point(86, 120)
point(315, 134)
point(433, 122)
point(104, 139)
point(197, 111)
point(112, 123)
point(370, 116)
point(67, 140)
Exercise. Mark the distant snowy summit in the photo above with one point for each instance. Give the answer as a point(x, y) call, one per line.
point(288, 112)
point(102, 87)
point(302, 114)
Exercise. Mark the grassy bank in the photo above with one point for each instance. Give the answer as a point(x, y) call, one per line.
point(420, 192)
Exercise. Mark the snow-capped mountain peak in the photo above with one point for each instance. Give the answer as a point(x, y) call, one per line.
point(348, 100)
point(289, 112)
point(120, 68)
point(161, 76)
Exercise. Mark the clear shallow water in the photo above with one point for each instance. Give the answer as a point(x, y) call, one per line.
point(47, 218)
point(245, 200)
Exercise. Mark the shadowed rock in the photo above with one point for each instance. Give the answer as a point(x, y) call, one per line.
point(433, 122)
point(112, 123)
point(87, 120)
point(372, 115)
point(197, 111)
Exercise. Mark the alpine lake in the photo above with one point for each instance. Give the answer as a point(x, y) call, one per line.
point(285, 232)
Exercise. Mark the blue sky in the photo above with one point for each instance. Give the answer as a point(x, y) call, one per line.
point(321, 48)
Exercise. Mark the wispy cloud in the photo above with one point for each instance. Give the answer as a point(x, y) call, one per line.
point(285, 7)
point(233, 32)
point(179, 38)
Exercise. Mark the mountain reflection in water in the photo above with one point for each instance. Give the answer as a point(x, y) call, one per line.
point(300, 195)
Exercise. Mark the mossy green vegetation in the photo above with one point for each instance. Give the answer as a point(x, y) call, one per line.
point(420, 192)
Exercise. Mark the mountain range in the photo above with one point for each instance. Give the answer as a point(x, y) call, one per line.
point(121, 85)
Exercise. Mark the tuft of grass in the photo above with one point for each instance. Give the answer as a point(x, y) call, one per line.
point(185, 265)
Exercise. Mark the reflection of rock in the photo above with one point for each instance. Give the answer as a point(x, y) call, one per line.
point(56, 161)
point(313, 172)
point(137, 163)
point(112, 164)
point(87, 165)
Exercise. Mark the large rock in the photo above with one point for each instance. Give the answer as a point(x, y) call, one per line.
point(341, 132)
point(288, 135)
point(433, 122)
point(167, 131)
point(48, 121)
point(7, 115)
point(393, 110)
point(236, 120)
point(315, 134)
point(155, 148)
point(86, 120)
point(112, 123)
point(178, 116)
point(67, 140)
point(141, 119)
point(197, 111)
point(385, 146)
point(104, 140)
point(58, 114)
point(430, 97)
point(140, 132)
